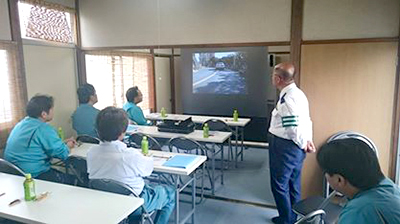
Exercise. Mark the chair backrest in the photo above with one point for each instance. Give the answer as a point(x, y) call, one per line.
point(217, 125)
point(77, 166)
point(117, 187)
point(7, 167)
point(315, 217)
point(87, 139)
point(186, 145)
point(135, 141)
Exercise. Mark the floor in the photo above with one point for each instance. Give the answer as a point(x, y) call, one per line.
point(245, 196)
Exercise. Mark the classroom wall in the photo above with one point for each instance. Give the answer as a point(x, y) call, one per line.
point(5, 31)
point(51, 70)
point(345, 19)
point(152, 22)
point(349, 87)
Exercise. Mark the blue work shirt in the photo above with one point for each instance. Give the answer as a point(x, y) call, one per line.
point(135, 113)
point(84, 120)
point(380, 204)
point(31, 145)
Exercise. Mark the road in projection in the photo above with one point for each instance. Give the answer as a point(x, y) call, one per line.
point(210, 80)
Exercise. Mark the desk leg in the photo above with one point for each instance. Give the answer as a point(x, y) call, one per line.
point(213, 170)
point(193, 196)
point(222, 164)
point(177, 199)
point(242, 142)
point(236, 145)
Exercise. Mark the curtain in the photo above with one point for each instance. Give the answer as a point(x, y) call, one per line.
point(12, 90)
point(113, 73)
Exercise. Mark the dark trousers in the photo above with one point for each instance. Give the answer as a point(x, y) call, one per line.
point(286, 160)
point(54, 175)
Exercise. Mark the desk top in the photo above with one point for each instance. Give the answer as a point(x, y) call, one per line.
point(65, 204)
point(215, 136)
point(159, 157)
point(200, 119)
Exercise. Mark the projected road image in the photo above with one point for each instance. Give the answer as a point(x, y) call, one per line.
point(219, 73)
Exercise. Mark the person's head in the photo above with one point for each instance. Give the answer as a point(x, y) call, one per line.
point(111, 124)
point(134, 95)
point(87, 94)
point(41, 107)
point(283, 75)
point(350, 165)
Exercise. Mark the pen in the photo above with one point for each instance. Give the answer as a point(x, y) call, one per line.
point(16, 201)
point(2, 194)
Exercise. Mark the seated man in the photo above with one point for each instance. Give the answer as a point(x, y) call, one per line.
point(352, 168)
point(33, 142)
point(135, 114)
point(113, 160)
point(84, 118)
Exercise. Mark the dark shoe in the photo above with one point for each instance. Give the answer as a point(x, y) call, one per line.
point(275, 219)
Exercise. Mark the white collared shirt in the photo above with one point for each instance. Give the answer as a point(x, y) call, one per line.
point(113, 160)
point(291, 117)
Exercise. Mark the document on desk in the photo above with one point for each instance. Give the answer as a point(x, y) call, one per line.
point(160, 160)
point(181, 161)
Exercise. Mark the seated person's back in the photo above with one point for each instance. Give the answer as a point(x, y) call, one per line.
point(111, 159)
point(352, 168)
point(134, 96)
point(84, 117)
point(33, 142)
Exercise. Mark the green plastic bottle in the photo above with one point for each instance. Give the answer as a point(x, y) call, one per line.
point(29, 188)
point(163, 112)
point(61, 133)
point(145, 146)
point(206, 131)
point(235, 115)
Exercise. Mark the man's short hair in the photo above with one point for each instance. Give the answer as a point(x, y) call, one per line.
point(131, 94)
point(284, 74)
point(353, 159)
point(111, 122)
point(38, 104)
point(85, 91)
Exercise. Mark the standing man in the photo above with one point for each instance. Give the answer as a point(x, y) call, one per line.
point(84, 118)
point(291, 138)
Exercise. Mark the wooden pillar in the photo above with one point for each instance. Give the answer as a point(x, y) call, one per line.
point(296, 35)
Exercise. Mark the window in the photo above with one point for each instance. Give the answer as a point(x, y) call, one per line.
point(112, 74)
point(12, 90)
point(46, 21)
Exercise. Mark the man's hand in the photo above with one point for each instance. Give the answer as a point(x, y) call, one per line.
point(70, 142)
point(310, 148)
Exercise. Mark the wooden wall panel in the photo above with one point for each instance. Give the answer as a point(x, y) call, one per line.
point(349, 87)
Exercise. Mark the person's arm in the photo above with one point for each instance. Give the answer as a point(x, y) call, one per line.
point(297, 125)
point(52, 144)
point(140, 164)
point(138, 116)
point(366, 214)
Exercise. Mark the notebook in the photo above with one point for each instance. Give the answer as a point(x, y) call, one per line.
point(181, 161)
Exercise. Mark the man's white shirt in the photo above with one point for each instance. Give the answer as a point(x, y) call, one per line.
point(291, 117)
point(113, 160)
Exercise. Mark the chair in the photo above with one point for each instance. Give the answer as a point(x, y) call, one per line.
point(117, 187)
point(135, 141)
point(219, 125)
point(315, 217)
point(332, 210)
point(7, 167)
point(189, 146)
point(87, 139)
point(77, 166)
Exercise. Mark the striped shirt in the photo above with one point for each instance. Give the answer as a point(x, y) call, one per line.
point(291, 117)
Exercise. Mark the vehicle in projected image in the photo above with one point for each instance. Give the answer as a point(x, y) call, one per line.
point(219, 72)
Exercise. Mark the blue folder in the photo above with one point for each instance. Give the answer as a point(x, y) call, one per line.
point(181, 161)
point(131, 128)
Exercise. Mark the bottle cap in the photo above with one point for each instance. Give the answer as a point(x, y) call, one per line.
point(28, 176)
point(205, 124)
point(144, 137)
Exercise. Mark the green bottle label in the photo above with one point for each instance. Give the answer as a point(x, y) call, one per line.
point(206, 130)
point(29, 189)
point(145, 146)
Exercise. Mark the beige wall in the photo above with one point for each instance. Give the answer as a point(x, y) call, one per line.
point(139, 22)
point(51, 70)
point(349, 87)
point(5, 32)
point(345, 19)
